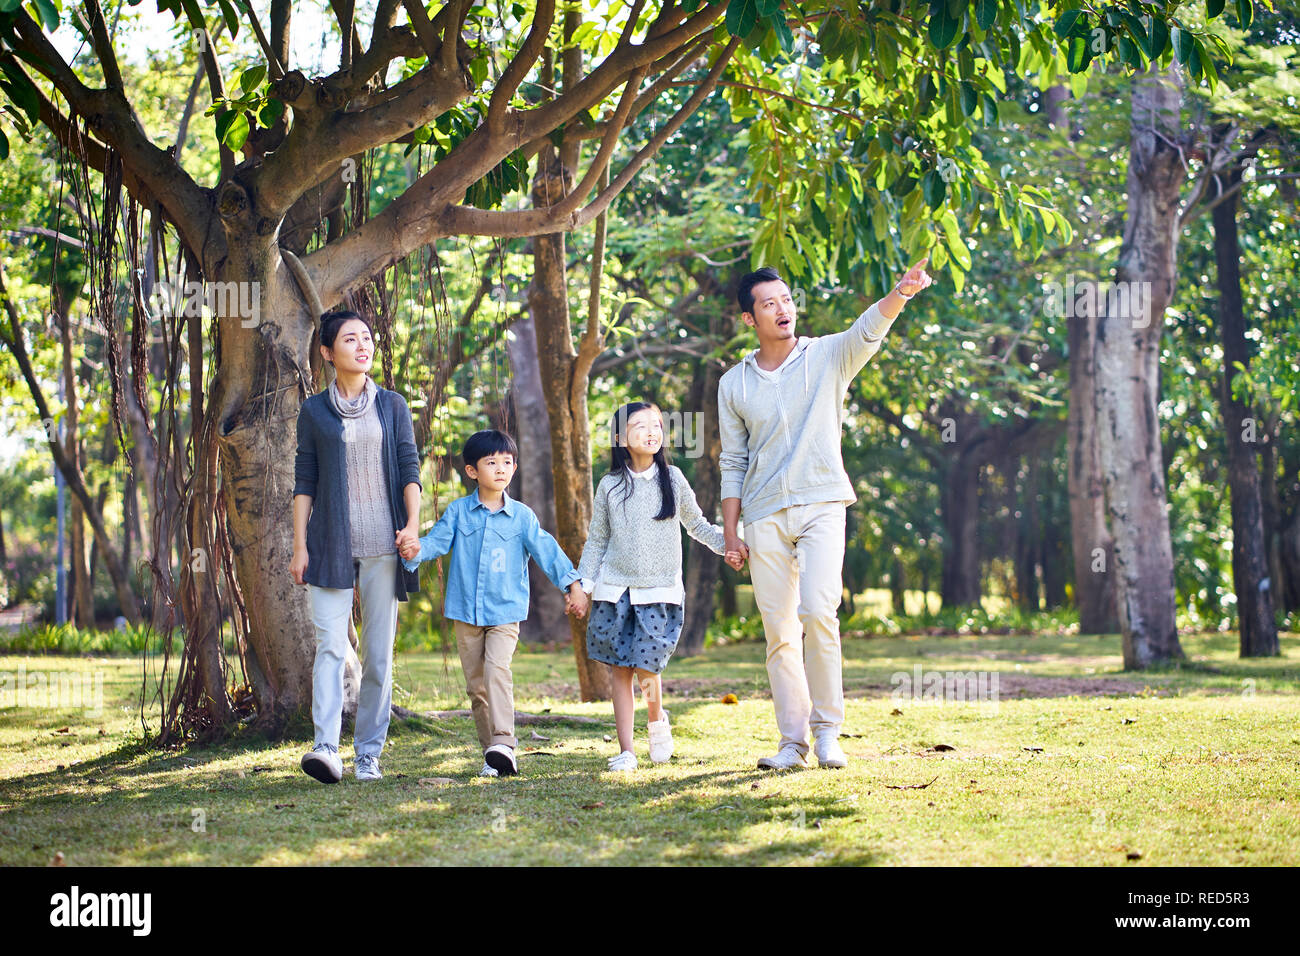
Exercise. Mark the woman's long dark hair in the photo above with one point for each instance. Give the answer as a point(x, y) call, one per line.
point(620, 459)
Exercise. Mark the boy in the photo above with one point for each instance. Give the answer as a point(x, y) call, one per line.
point(491, 536)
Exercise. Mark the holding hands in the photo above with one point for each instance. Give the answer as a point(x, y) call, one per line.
point(407, 543)
point(736, 551)
point(576, 601)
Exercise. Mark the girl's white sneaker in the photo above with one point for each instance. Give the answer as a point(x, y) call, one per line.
point(661, 740)
point(624, 761)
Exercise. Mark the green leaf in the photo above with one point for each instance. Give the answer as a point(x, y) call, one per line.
point(22, 91)
point(767, 8)
point(1183, 44)
point(1079, 55)
point(960, 253)
point(969, 98)
point(1195, 62)
point(990, 110)
point(1213, 8)
point(252, 78)
point(230, 16)
point(986, 13)
point(783, 34)
point(943, 28)
point(9, 6)
point(1159, 37)
point(1245, 13)
point(232, 129)
point(270, 112)
point(741, 17)
point(1065, 22)
point(887, 54)
point(4, 145)
point(1139, 33)
point(933, 189)
point(49, 15)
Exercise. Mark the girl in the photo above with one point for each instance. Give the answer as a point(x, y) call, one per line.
point(356, 500)
point(632, 568)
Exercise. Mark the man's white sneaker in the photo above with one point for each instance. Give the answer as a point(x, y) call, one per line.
point(368, 767)
point(828, 750)
point(488, 771)
point(787, 758)
point(661, 740)
point(323, 763)
point(501, 759)
point(624, 761)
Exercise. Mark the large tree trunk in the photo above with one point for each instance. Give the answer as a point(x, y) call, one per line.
point(566, 405)
point(702, 565)
point(1255, 623)
point(1127, 376)
point(534, 483)
point(1090, 540)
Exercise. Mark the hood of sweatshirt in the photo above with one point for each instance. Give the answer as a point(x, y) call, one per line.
point(801, 346)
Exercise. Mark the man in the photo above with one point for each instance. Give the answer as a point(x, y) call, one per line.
point(779, 413)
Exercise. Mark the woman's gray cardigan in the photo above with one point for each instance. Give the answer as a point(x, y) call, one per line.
point(320, 470)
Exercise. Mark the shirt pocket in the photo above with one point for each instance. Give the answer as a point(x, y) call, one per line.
point(502, 547)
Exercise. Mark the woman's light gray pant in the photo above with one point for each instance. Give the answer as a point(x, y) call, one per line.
point(330, 609)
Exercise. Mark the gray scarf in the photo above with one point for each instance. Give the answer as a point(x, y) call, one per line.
point(353, 407)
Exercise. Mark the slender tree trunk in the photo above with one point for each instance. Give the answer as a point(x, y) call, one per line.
point(1091, 544)
point(1127, 376)
point(566, 405)
point(534, 483)
point(1029, 535)
point(1250, 578)
point(83, 601)
point(960, 506)
point(702, 565)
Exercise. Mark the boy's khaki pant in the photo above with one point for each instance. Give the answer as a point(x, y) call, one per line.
point(796, 562)
point(485, 654)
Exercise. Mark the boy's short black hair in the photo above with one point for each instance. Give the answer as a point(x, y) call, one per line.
point(746, 291)
point(488, 442)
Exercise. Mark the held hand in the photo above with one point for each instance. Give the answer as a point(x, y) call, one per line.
point(409, 550)
point(404, 537)
point(732, 543)
point(576, 603)
point(915, 279)
point(298, 565)
point(734, 559)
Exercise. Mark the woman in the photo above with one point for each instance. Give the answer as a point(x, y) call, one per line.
point(356, 499)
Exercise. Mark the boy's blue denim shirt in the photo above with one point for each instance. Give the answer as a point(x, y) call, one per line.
point(487, 582)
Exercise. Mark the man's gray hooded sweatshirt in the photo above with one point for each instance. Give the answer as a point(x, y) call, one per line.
point(781, 430)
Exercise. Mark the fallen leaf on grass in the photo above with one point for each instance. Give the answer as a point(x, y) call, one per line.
point(895, 713)
point(58, 859)
point(537, 753)
point(435, 781)
point(282, 806)
point(1132, 855)
point(536, 736)
point(63, 730)
point(593, 806)
point(261, 769)
point(769, 796)
point(1128, 720)
point(1033, 750)
point(940, 748)
point(730, 699)
point(909, 786)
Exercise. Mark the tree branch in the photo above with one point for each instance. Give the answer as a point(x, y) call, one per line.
point(519, 66)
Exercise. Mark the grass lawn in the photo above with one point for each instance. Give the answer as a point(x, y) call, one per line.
point(1075, 763)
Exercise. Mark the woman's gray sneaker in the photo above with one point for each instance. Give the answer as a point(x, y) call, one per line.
point(323, 763)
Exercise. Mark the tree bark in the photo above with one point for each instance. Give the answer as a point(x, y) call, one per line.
point(1091, 544)
point(959, 499)
point(534, 482)
point(1127, 359)
point(1250, 578)
point(702, 565)
point(566, 405)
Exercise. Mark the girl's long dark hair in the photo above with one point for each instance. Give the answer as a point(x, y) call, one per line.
point(620, 459)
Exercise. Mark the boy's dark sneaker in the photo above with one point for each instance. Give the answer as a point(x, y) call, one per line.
point(501, 759)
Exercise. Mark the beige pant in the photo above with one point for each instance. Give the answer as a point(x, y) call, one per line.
point(485, 654)
point(796, 562)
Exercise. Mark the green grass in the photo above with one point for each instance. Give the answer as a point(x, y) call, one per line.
point(1190, 765)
